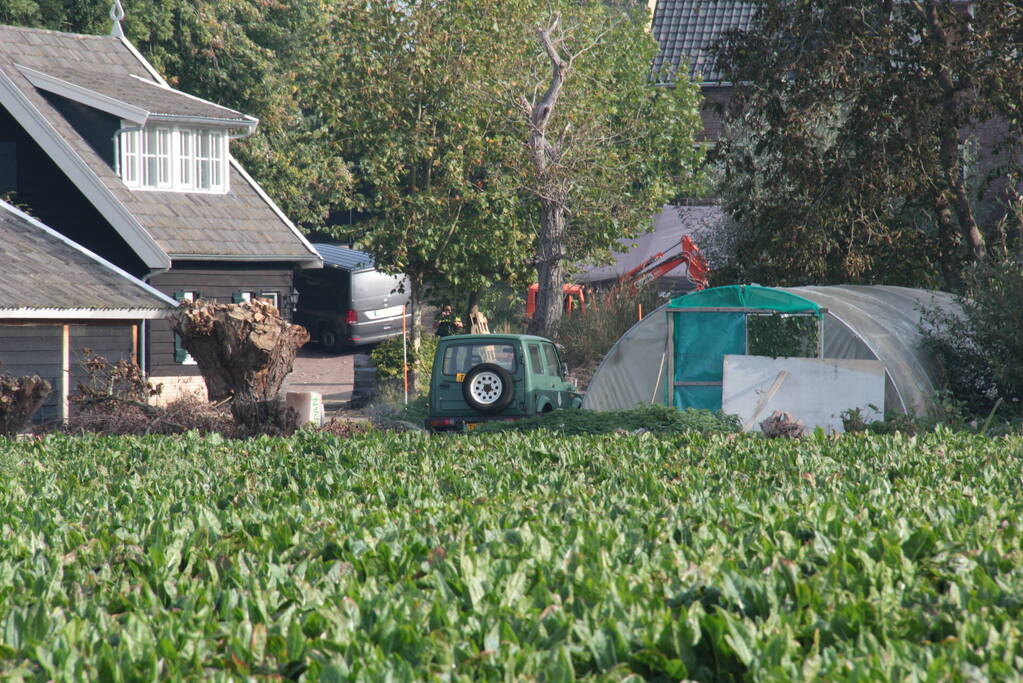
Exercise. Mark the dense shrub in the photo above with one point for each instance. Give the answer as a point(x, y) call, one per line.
point(586, 337)
point(981, 351)
point(651, 417)
point(387, 357)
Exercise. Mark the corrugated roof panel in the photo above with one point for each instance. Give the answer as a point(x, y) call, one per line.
point(340, 257)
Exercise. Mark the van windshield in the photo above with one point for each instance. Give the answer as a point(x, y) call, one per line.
point(462, 357)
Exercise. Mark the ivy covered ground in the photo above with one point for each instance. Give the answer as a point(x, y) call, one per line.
point(512, 557)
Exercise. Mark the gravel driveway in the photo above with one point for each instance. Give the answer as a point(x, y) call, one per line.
point(330, 374)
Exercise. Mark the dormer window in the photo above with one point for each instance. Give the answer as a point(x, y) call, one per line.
point(174, 158)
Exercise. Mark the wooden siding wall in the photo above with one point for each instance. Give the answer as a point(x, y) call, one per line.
point(35, 349)
point(217, 282)
point(54, 200)
point(113, 342)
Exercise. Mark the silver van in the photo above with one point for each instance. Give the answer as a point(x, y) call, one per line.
point(349, 302)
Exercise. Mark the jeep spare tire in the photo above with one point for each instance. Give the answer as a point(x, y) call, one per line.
point(487, 388)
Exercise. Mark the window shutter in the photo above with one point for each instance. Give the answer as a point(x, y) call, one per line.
point(180, 355)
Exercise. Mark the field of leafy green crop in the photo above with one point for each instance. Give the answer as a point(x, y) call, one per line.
point(512, 557)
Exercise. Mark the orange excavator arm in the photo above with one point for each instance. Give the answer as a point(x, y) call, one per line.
point(657, 266)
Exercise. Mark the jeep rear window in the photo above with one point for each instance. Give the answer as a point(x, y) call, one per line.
point(462, 357)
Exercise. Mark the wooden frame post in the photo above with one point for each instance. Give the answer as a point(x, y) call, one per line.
point(135, 343)
point(669, 383)
point(65, 374)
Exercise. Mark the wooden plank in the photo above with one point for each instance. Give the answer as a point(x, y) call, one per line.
point(765, 399)
point(63, 407)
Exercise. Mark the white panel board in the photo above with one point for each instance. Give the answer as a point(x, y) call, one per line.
point(814, 390)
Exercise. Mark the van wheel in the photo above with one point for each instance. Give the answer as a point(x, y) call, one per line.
point(488, 388)
point(329, 339)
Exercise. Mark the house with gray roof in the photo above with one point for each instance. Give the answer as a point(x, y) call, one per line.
point(686, 31)
point(101, 149)
point(58, 299)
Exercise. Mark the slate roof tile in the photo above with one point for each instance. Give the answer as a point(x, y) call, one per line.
point(685, 30)
point(43, 270)
point(145, 94)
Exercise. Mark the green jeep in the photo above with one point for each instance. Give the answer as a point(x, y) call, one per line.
point(479, 377)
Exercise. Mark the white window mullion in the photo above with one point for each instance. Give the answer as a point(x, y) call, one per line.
point(163, 158)
point(186, 156)
point(129, 142)
point(216, 160)
point(172, 158)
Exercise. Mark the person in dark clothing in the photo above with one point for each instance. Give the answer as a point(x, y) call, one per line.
point(447, 322)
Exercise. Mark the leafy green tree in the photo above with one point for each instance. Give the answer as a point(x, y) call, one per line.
point(428, 98)
point(874, 141)
point(402, 93)
point(605, 149)
point(981, 350)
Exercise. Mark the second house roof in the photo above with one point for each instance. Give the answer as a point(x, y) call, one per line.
point(47, 276)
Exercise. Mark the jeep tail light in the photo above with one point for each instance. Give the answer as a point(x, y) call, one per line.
point(352, 318)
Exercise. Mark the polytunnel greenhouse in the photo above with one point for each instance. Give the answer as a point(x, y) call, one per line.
point(674, 356)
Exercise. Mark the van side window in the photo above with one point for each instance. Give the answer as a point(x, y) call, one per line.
point(535, 362)
point(553, 362)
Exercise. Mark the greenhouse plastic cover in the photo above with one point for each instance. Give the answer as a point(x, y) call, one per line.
point(862, 322)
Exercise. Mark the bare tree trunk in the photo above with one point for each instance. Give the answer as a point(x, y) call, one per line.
point(552, 189)
point(948, 254)
point(960, 200)
point(550, 301)
point(473, 305)
point(415, 332)
point(244, 351)
point(951, 125)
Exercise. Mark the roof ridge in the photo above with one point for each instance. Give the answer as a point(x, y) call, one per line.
point(55, 32)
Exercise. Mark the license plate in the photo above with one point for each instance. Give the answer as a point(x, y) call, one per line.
point(384, 312)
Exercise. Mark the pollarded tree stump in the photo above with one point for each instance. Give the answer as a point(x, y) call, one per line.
point(20, 398)
point(244, 352)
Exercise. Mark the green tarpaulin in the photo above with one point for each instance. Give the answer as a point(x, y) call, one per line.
point(747, 296)
point(702, 338)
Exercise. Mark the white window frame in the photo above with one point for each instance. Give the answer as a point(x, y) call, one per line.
point(271, 297)
point(176, 162)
